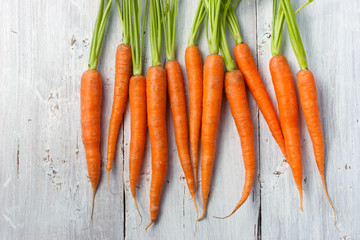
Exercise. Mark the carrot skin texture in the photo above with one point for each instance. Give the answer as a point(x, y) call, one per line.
point(156, 108)
point(236, 95)
point(123, 72)
point(288, 111)
point(179, 115)
point(212, 97)
point(137, 99)
point(90, 96)
point(310, 107)
point(246, 64)
point(194, 69)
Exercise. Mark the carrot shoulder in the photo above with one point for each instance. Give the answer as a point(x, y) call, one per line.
point(288, 111)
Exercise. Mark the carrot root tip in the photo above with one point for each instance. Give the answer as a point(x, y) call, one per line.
point(151, 223)
point(108, 177)
point(137, 208)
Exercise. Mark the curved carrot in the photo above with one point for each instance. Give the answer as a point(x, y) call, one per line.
point(156, 109)
point(178, 110)
point(121, 89)
point(246, 64)
point(236, 95)
point(309, 104)
point(195, 79)
point(213, 87)
point(137, 99)
point(288, 111)
point(90, 95)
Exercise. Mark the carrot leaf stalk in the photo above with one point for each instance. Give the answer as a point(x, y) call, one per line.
point(232, 22)
point(212, 30)
point(199, 17)
point(98, 34)
point(155, 31)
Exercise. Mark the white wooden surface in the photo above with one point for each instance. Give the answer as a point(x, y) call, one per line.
point(45, 192)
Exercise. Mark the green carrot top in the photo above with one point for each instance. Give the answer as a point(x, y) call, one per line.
point(285, 11)
point(229, 62)
point(137, 32)
point(170, 27)
point(125, 19)
point(231, 19)
point(199, 17)
point(98, 34)
point(213, 8)
point(155, 31)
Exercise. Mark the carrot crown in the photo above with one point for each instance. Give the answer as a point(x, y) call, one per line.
point(229, 62)
point(213, 8)
point(137, 34)
point(155, 31)
point(98, 34)
point(170, 27)
point(199, 17)
point(233, 23)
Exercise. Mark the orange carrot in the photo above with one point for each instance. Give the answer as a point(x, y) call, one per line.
point(288, 111)
point(156, 109)
point(121, 89)
point(246, 64)
point(194, 71)
point(213, 87)
point(178, 110)
point(236, 95)
point(195, 79)
point(137, 98)
point(90, 94)
point(309, 104)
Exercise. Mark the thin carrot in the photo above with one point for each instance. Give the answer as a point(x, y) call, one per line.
point(156, 109)
point(236, 95)
point(137, 93)
point(247, 65)
point(121, 86)
point(307, 92)
point(177, 98)
point(288, 111)
point(90, 96)
point(212, 97)
point(194, 71)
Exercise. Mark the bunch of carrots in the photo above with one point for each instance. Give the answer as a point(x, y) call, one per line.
point(148, 97)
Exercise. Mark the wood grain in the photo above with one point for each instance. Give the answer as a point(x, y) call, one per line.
point(45, 190)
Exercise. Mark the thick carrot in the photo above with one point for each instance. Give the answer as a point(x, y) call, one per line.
point(195, 79)
point(178, 110)
point(121, 89)
point(288, 111)
point(156, 109)
point(213, 87)
point(310, 107)
point(236, 95)
point(137, 98)
point(90, 94)
point(246, 64)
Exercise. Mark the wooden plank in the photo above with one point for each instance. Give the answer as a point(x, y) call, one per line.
point(45, 189)
point(177, 214)
point(330, 38)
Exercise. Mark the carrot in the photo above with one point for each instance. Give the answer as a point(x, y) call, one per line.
point(236, 95)
point(307, 92)
point(177, 98)
point(194, 71)
point(121, 86)
point(247, 65)
point(90, 96)
point(212, 97)
point(288, 111)
point(137, 93)
point(156, 109)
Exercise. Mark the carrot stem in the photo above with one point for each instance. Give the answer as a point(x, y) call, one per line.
point(199, 17)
